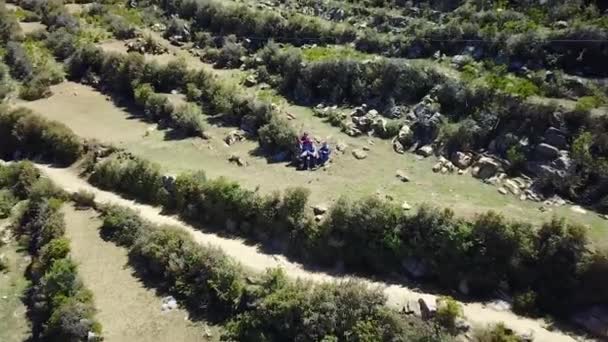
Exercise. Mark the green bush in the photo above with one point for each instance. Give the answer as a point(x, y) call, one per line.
point(35, 136)
point(448, 311)
point(189, 119)
point(525, 303)
point(34, 90)
point(496, 333)
point(278, 135)
point(84, 199)
point(121, 225)
point(7, 201)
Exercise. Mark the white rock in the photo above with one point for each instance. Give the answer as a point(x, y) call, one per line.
point(502, 191)
point(578, 209)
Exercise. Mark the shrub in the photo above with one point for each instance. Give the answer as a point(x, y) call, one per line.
point(121, 225)
point(84, 199)
point(525, 303)
point(34, 90)
point(448, 311)
point(278, 135)
point(189, 118)
point(496, 333)
point(34, 136)
point(7, 201)
point(230, 55)
point(56, 249)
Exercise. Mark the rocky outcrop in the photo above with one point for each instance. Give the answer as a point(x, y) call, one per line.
point(462, 159)
point(485, 168)
point(546, 152)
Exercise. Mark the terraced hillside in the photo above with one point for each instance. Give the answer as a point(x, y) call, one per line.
point(461, 132)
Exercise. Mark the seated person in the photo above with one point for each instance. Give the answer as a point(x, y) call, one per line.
point(323, 154)
point(308, 151)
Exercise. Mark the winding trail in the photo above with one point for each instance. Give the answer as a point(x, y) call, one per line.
point(251, 257)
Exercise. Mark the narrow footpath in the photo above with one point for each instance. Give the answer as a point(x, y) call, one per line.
point(250, 256)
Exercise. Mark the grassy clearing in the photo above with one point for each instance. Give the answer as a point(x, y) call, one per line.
point(333, 52)
point(14, 325)
point(128, 310)
point(347, 176)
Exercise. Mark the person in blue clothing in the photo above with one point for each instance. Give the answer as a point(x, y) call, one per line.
point(323, 154)
point(308, 151)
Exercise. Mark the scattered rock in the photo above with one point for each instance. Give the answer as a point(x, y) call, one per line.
point(406, 206)
point(561, 24)
point(250, 81)
point(169, 303)
point(318, 218)
point(512, 186)
point(425, 151)
point(462, 160)
point(359, 154)
point(437, 167)
point(233, 137)
point(397, 146)
point(499, 305)
point(341, 147)
point(402, 176)
point(240, 161)
point(485, 168)
point(502, 191)
point(605, 217)
point(365, 148)
point(320, 209)
point(578, 209)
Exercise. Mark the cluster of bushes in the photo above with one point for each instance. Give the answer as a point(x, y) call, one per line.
point(345, 80)
point(552, 264)
point(258, 25)
point(187, 118)
point(9, 26)
point(101, 15)
point(265, 307)
point(28, 135)
point(60, 307)
point(34, 67)
point(132, 77)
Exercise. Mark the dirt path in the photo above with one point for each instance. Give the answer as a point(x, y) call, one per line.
point(250, 256)
point(127, 310)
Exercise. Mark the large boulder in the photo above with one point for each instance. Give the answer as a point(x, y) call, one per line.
point(462, 160)
point(320, 209)
point(545, 151)
point(359, 154)
point(405, 136)
point(555, 137)
point(425, 151)
point(485, 168)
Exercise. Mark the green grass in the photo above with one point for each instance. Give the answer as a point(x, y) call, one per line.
point(324, 53)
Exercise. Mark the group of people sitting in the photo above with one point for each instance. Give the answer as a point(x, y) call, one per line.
point(311, 157)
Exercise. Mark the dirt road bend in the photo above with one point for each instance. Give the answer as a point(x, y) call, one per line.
point(251, 257)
